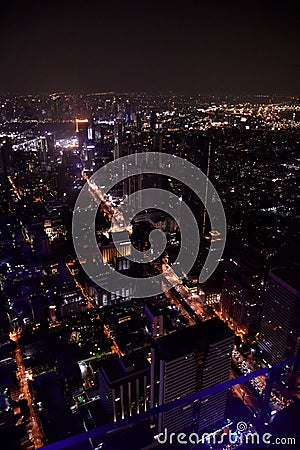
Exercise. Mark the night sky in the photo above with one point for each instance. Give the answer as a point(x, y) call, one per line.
point(182, 46)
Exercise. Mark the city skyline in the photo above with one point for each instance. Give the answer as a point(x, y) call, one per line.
point(81, 356)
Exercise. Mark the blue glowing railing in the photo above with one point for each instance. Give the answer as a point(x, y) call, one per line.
point(204, 393)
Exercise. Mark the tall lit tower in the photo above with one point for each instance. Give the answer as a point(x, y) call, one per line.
point(118, 137)
point(82, 129)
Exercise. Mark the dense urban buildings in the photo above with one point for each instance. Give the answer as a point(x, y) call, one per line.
point(74, 355)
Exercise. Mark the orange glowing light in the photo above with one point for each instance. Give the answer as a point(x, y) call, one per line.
point(78, 121)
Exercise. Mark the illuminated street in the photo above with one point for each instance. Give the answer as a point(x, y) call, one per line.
point(15, 190)
point(35, 431)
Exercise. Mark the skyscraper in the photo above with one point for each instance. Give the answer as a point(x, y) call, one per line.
point(280, 325)
point(153, 121)
point(123, 385)
point(82, 130)
point(154, 317)
point(6, 156)
point(187, 361)
point(43, 149)
point(241, 302)
point(118, 137)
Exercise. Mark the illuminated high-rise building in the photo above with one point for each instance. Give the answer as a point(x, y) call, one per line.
point(241, 298)
point(118, 137)
point(153, 121)
point(43, 149)
point(124, 386)
point(187, 361)
point(6, 156)
point(50, 138)
point(280, 325)
point(154, 311)
point(83, 132)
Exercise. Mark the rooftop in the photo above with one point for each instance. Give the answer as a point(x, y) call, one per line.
point(197, 337)
point(124, 367)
